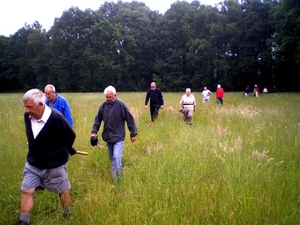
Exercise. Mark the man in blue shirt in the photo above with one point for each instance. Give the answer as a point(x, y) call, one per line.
point(56, 101)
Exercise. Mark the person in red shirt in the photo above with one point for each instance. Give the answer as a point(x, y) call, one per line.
point(219, 94)
point(255, 91)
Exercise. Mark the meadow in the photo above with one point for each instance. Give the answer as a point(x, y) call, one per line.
point(236, 164)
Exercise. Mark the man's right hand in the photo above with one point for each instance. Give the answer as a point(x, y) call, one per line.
point(94, 140)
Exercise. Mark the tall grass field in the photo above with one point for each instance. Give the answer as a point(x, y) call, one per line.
point(236, 164)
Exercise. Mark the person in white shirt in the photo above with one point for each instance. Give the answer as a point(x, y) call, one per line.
point(188, 105)
point(206, 95)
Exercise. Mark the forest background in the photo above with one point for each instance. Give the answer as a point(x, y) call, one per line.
point(125, 44)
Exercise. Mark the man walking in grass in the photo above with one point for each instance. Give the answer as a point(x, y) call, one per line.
point(188, 105)
point(50, 139)
point(156, 101)
point(113, 112)
point(219, 95)
point(206, 95)
point(56, 101)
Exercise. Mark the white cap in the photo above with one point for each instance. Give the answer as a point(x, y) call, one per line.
point(255, 85)
point(110, 89)
point(218, 86)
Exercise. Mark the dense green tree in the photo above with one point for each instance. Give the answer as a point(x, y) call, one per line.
point(137, 24)
point(128, 45)
point(8, 72)
point(286, 44)
point(69, 37)
point(174, 37)
point(256, 32)
point(26, 47)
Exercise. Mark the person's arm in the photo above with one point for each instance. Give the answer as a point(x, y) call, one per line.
point(130, 123)
point(97, 122)
point(194, 103)
point(181, 103)
point(67, 133)
point(147, 98)
point(161, 99)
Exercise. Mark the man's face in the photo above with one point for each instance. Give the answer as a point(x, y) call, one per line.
point(50, 94)
point(110, 97)
point(35, 111)
point(153, 86)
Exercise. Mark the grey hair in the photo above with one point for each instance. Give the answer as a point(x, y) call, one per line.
point(50, 86)
point(110, 89)
point(35, 94)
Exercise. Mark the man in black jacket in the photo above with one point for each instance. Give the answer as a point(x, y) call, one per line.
point(156, 100)
point(50, 139)
point(113, 112)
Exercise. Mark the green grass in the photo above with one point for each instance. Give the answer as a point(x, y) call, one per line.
point(236, 164)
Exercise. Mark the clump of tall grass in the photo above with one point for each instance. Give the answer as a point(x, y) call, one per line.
point(236, 164)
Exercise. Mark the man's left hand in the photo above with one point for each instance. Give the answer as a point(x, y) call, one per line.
point(133, 139)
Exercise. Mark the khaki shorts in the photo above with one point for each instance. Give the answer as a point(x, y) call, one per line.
point(54, 180)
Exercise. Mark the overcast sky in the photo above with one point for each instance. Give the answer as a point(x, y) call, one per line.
point(15, 13)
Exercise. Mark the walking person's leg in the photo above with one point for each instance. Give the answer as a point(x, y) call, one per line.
point(156, 110)
point(26, 205)
point(190, 115)
point(152, 110)
point(65, 199)
point(110, 147)
point(56, 180)
point(115, 152)
point(31, 180)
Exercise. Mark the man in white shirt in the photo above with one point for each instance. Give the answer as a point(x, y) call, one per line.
point(49, 140)
point(206, 95)
point(188, 105)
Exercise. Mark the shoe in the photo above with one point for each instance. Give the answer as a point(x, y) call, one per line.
point(66, 215)
point(22, 223)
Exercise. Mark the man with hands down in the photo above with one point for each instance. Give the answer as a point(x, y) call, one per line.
point(113, 112)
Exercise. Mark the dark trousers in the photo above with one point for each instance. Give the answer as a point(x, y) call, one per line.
point(220, 101)
point(154, 111)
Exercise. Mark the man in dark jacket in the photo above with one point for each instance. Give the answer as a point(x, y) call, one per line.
point(156, 100)
point(50, 139)
point(113, 112)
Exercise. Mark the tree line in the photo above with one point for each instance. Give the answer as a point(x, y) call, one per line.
point(127, 45)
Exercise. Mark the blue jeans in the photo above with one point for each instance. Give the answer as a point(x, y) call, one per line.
point(115, 155)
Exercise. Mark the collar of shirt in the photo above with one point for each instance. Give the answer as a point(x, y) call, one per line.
point(111, 103)
point(37, 125)
point(46, 114)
